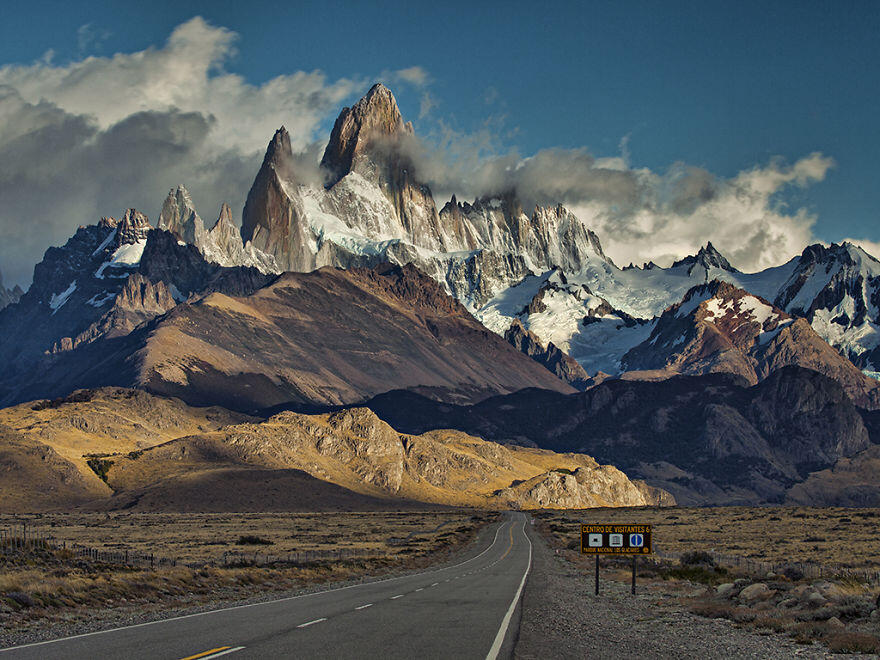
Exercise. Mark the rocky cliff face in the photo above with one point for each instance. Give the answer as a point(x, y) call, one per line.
point(721, 328)
point(837, 289)
point(551, 357)
point(708, 258)
point(73, 287)
point(179, 217)
point(221, 244)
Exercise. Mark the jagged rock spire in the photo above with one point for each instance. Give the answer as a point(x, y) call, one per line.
point(708, 257)
point(133, 227)
point(376, 115)
point(279, 154)
point(179, 216)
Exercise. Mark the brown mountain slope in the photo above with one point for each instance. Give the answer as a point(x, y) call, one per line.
point(709, 439)
point(45, 445)
point(355, 450)
point(110, 420)
point(853, 481)
point(719, 328)
point(330, 337)
point(326, 337)
point(34, 477)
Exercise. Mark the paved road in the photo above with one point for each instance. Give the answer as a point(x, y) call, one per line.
point(467, 610)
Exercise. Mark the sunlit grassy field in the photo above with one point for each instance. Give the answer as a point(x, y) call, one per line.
point(192, 538)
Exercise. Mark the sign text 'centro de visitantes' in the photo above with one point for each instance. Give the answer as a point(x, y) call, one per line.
point(616, 539)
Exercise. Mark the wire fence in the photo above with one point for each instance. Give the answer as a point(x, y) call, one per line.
point(811, 570)
point(22, 540)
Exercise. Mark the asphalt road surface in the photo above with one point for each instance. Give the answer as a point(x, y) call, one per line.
point(466, 610)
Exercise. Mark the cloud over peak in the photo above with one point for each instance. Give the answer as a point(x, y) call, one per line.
point(94, 136)
point(97, 135)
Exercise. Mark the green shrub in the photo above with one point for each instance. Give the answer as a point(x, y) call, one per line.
point(100, 467)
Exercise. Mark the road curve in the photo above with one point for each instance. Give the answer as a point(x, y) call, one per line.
point(466, 610)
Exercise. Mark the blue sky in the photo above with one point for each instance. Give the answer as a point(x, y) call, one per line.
point(720, 86)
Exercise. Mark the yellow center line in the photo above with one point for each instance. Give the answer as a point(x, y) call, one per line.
point(510, 547)
point(204, 653)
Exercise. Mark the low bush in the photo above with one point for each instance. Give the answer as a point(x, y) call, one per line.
point(852, 642)
point(100, 467)
point(792, 573)
point(20, 598)
point(696, 558)
point(250, 539)
point(699, 573)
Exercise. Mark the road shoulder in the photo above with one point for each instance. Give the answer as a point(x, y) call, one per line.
point(562, 618)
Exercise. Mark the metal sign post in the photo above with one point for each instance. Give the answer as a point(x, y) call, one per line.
point(634, 575)
point(631, 540)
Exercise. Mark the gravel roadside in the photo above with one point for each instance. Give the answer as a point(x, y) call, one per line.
point(563, 618)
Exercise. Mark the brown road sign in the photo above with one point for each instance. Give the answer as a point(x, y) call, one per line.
point(616, 539)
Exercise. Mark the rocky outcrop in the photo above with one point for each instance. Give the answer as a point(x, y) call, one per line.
point(273, 219)
point(354, 449)
point(359, 132)
point(551, 357)
point(9, 296)
point(133, 228)
point(837, 289)
point(222, 244)
point(582, 488)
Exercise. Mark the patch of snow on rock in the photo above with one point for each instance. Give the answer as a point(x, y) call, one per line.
point(57, 300)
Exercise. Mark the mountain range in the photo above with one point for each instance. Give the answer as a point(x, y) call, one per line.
point(334, 292)
point(710, 439)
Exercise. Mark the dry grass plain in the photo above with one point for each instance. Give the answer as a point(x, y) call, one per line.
point(836, 537)
point(204, 538)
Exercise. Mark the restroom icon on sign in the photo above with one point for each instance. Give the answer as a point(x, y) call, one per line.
point(636, 540)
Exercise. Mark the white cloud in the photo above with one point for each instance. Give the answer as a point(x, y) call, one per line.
point(187, 75)
point(639, 215)
point(414, 75)
point(90, 37)
point(94, 136)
